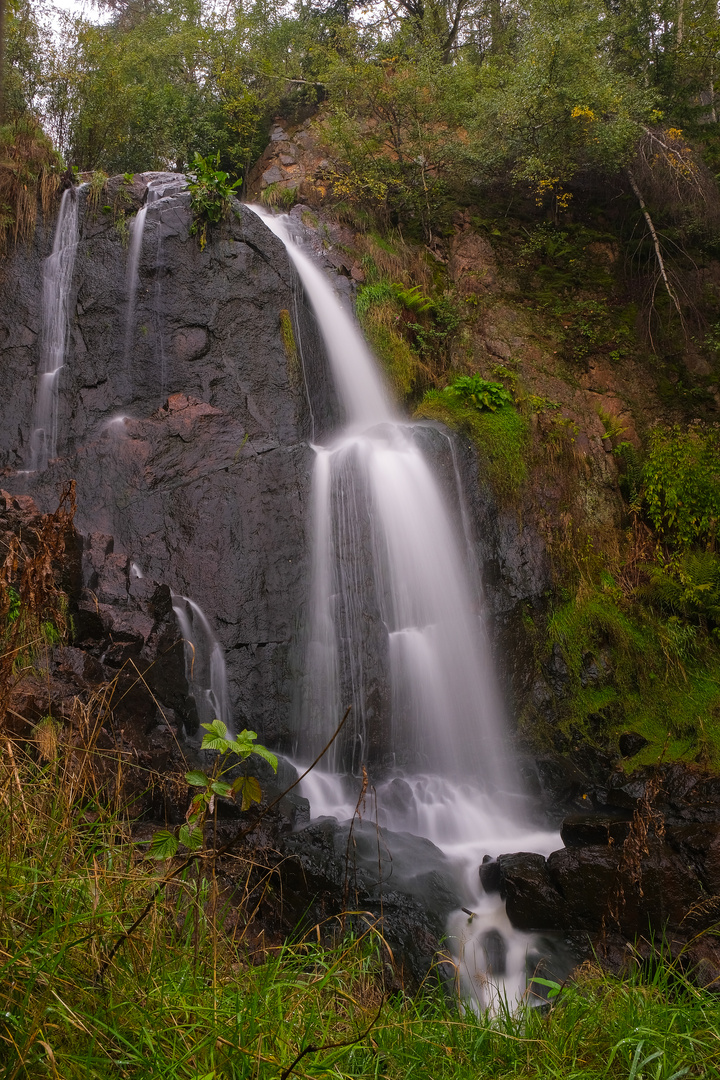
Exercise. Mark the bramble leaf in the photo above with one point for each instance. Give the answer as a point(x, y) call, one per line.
point(263, 752)
point(197, 779)
point(163, 845)
point(191, 837)
point(222, 789)
point(216, 738)
point(249, 790)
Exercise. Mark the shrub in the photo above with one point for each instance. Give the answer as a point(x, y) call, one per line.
point(682, 484)
point(210, 193)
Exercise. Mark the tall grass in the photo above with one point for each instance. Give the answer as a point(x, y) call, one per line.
point(190, 995)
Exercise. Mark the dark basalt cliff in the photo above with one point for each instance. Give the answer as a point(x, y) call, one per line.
point(193, 456)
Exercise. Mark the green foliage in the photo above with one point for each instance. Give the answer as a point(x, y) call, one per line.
point(289, 343)
point(14, 605)
point(559, 103)
point(187, 999)
point(165, 844)
point(681, 479)
point(277, 195)
point(29, 172)
point(630, 467)
point(472, 390)
point(634, 665)
point(687, 585)
point(210, 193)
point(413, 299)
point(395, 129)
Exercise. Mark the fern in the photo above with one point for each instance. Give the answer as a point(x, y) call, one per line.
point(687, 586)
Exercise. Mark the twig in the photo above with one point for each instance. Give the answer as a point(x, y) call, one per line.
point(333, 1046)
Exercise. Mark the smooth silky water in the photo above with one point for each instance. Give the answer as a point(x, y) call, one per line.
point(159, 188)
point(393, 572)
point(205, 669)
point(57, 282)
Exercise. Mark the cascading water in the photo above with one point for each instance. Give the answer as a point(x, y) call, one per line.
point(157, 189)
point(204, 662)
point(394, 628)
point(57, 281)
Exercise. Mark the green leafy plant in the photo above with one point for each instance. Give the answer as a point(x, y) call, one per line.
point(13, 604)
point(97, 186)
point(687, 585)
point(472, 390)
point(413, 299)
point(210, 194)
point(246, 789)
point(682, 484)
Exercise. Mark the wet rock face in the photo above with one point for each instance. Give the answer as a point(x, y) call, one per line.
point(647, 863)
point(188, 440)
point(403, 879)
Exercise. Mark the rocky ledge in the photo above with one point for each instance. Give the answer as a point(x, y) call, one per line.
point(643, 867)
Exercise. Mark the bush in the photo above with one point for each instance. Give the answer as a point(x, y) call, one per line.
point(682, 484)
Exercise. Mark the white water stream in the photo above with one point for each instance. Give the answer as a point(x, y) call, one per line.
point(57, 281)
point(204, 663)
point(159, 188)
point(394, 627)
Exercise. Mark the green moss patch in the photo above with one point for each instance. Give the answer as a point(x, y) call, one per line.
point(502, 438)
point(641, 674)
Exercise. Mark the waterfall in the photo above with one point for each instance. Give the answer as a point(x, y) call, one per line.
point(57, 281)
point(204, 662)
point(166, 184)
point(394, 629)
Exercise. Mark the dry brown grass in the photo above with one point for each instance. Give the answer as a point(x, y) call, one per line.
point(33, 606)
point(30, 172)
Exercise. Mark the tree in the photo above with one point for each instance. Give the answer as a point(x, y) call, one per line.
point(556, 106)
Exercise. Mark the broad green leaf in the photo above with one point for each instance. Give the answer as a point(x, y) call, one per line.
point(216, 738)
point(554, 988)
point(248, 789)
point(263, 752)
point(217, 728)
point(197, 778)
point(222, 789)
point(243, 743)
point(214, 742)
point(191, 838)
point(163, 845)
point(246, 737)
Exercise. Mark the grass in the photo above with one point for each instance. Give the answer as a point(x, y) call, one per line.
point(29, 171)
point(198, 992)
point(380, 315)
point(662, 677)
point(186, 998)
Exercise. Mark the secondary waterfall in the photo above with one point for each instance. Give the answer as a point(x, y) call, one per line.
point(57, 281)
point(157, 189)
point(394, 628)
point(204, 663)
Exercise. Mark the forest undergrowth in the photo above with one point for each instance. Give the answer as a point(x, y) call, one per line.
point(188, 997)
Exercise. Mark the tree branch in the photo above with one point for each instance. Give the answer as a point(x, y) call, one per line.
point(656, 243)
